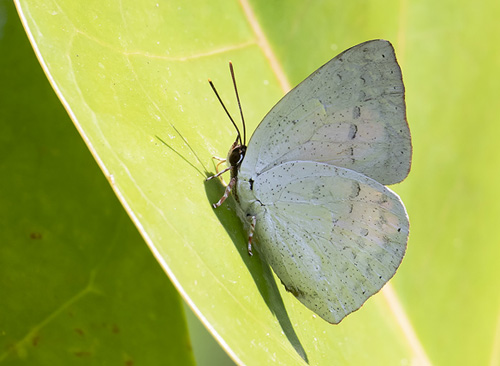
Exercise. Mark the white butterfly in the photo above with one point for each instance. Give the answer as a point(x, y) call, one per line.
point(310, 184)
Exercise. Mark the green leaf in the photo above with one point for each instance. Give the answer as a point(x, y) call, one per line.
point(128, 72)
point(77, 284)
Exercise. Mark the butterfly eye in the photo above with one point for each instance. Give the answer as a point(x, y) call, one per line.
point(236, 156)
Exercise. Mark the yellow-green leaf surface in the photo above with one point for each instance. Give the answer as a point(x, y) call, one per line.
point(130, 71)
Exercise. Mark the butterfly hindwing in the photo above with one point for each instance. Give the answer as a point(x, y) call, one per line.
point(333, 236)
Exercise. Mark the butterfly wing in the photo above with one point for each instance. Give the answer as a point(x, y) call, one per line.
point(349, 113)
point(333, 236)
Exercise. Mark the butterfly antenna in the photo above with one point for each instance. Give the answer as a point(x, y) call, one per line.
point(238, 138)
point(239, 104)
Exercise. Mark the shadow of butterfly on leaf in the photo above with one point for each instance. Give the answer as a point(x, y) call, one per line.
point(260, 271)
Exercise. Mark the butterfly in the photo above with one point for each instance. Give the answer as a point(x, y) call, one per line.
point(310, 184)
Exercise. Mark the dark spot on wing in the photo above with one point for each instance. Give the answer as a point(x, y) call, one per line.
point(355, 190)
point(356, 112)
point(353, 130)
point(295, 291)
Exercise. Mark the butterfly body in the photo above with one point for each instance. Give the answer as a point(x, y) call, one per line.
point(310, 184)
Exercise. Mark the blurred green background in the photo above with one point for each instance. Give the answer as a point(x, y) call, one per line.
point(78, 284)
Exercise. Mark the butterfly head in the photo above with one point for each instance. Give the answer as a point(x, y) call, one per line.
point(235, 157)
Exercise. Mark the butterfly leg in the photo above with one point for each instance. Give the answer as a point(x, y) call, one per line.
point(253, 221)
point(218, 174)
point(220, 160)
point(217, 168)
point(230, 186)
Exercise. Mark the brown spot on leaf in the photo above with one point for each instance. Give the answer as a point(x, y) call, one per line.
point(35, 236)
point(35, 340)
point(82, 354)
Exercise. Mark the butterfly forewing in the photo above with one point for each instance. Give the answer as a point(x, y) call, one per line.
point(349, 113)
